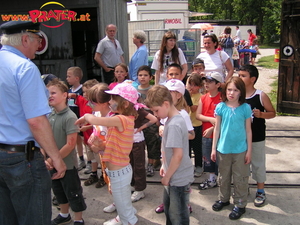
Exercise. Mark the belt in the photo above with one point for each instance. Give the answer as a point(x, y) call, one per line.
point(13, 148)
point(120, 172)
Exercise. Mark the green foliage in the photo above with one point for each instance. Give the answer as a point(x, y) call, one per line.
point(265, 14)
point(268, 62)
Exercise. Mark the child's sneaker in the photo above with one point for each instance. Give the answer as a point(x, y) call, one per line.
point(81, 165)
point(160, 208)
point(114, 221)
point(109, 209)
point(150, 170)
point(207, 184)
point(79, 223)
point(259, 199)
point(61, 220)
point(91, 180)
point(137, 195)
point(88, 168)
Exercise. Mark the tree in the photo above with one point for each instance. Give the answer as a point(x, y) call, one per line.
point(265, 14)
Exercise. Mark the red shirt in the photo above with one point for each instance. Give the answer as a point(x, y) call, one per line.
point(81, 102)
point(208, 108)
point(251, 38)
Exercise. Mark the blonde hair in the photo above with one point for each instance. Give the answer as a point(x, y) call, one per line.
point(157, 95)
point(97, 93)
point(90, 83)
point(59, 84)
point(77, 71)
point(181, 103)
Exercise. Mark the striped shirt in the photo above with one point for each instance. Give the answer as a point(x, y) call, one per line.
point(119, 144)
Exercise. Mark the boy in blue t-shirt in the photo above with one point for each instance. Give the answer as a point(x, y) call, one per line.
point(262, 109)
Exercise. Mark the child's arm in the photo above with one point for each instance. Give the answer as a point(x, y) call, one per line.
point(157, 77)
point(191, 134)
point(249, 141)
point(174, 164)
point(85, 128)
point(200, 116)
point(208, 132)
point(72, 95)
point(152, 120)
point(270, 111)
point(103, 121)
point(69, 146)
point(215, 139)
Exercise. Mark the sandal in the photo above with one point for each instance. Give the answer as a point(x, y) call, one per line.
point(101, 183)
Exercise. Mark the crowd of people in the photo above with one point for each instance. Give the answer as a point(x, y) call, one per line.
point(207, 114)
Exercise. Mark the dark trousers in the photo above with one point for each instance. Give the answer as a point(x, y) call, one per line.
point(108, 76)
point(137, 161)
point(196, 146)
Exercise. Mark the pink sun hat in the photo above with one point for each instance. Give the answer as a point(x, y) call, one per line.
point(128, 92)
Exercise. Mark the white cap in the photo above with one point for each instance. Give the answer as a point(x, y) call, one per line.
point(214, 75)
point(175, 85)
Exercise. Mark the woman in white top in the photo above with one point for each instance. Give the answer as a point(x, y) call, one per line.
point(169, 53)
point(215, 60)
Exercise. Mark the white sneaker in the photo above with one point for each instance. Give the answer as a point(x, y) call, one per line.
point(88, 168)
point(81, 165)
point(137, 195)
point(109, 209)
point(114, 221)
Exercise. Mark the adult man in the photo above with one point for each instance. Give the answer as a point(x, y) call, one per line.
point(25, 184)
point(251, 36)
point(109, 53)
point(238, 36)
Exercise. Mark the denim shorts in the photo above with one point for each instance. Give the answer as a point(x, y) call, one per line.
point(68, 190)
point(25, 189)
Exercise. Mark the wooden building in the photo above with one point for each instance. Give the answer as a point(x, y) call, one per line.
point(72, 43)
point(289, 65)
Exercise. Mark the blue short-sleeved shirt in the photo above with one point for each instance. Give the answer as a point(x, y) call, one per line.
point(23, 96)
point(233, 138)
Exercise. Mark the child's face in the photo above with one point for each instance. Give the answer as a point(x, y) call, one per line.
point(120, 74)
point(84, 90)
point(193, 89)
point(211, 85)
point(232, 93)
point(245, 76)
point(144, 77)
point(198, 69)
point(160, 111)
point(171, 43)
point(173, 73)
point(71, 79)
point(113, 105)
point(56, 96)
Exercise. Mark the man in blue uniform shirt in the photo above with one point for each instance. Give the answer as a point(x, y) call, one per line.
point(25, 184)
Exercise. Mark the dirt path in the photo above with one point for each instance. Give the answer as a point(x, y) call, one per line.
point(265, 79)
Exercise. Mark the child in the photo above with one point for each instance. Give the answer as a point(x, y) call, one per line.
point(74, 76)
point(262, 109)
point(198, 67)
point(177, 89)
point(177, 168)
point(87, 130)
point(205, 113)
point(67, 190)
point(194, 85)
point(119, 141)
point(121, 74)
point(152, 137)
point(246, 54)
point(232, 140)
point(254, 46)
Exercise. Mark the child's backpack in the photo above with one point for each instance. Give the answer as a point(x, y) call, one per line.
point(227, 42)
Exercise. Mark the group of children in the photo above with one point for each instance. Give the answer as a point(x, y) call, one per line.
point(205, 119)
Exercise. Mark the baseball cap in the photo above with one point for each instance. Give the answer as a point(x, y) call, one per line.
point(125, 90)
point(175, 85)
point(48, 77)
point(214, 75)
point(14, 27)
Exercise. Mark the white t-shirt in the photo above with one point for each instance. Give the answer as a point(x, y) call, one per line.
point(186, 118)
point(213, 62)
point(168, 58)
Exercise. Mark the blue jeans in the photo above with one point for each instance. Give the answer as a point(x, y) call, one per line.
point(208, 164)
point(121, 192)
point(176, 200)
point(25, 190)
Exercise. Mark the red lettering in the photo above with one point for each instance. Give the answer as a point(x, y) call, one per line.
point(58, 14)
point(24, 17)
point(5, 17)
point(72, 15)
point(34, 15)
point(14, 17)
point(64, 15)
point(43, 16)
point(87, 17)
point(53, 15)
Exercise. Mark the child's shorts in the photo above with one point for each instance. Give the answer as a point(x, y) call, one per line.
point(258, 162)
point(68, 190)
